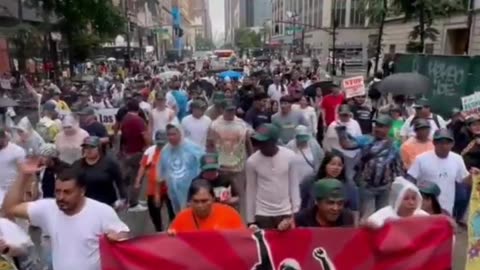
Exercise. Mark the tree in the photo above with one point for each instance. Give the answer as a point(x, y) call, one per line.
point(85, 24)
point(426, 11)
point(203, 44)
point(246, 39)
point(376, 11)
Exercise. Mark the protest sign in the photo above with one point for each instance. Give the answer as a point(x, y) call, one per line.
point(473, 244)
point(107, 118)
point(416, 243)
point(354, 87)
point(471, 103)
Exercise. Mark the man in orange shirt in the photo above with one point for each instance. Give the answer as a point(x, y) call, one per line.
point(156, 194)
point(417, 145)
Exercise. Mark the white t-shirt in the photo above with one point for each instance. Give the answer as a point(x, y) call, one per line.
point(161, 118)
point(442, 171)
point(331, 140)
point(196, 129)
point(10, 156)
point(275, 91)
point(408, 131)
point(75, 239)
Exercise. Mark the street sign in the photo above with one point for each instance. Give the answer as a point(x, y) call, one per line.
point(289, 30)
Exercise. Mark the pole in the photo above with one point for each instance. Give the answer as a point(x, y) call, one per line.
point(469, 25)
point(334, 28)
point(293, 33)
point(127, 35)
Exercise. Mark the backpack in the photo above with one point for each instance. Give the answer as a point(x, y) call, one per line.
point(47, 132)
point(434, 118)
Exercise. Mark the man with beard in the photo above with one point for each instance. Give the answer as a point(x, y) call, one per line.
point(329, 210)
point(69, 212)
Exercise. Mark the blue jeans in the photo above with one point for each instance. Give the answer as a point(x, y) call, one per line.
point(372, 199)
point(462, 198)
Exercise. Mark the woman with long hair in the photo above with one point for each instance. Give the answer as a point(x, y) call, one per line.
point(332, 166)
point(204, 213)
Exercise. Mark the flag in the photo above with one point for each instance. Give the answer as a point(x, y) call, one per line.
point(409, 244)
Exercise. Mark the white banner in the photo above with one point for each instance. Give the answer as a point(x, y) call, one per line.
point(471, 103)
point(107, 118)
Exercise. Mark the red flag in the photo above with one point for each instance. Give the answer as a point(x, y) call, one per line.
point(409, 244)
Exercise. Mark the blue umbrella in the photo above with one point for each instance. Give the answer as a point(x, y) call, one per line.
point(231, 74)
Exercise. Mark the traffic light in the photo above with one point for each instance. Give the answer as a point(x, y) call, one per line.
point(178, 31)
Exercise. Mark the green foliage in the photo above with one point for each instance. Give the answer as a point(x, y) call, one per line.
point(373, 9)
point(203, 44)
point(246, 39)
point(426, 11)
point(86, 23)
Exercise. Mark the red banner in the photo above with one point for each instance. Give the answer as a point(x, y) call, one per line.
point(413, 244)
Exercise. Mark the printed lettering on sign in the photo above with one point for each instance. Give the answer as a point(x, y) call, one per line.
point(446, 78)
point(354, 86)
point(107, 118)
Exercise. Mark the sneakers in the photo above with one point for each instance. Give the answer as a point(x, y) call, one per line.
point(137, 208)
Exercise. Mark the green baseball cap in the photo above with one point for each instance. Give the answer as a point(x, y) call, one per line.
point(428, 187)
point(328, 188)
point(218, 98)
point(384, 120)
point(302, 134)
point(423, 102)
point(160, 95)
point(229, 104)
point(421, 123)
point(443, 134)
point(267, 132)
point(91, 141)
point(209, 162)
point(198, 104)
point(344, 110)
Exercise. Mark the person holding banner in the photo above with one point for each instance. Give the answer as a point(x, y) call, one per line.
point(329, 210)
point(204, 213)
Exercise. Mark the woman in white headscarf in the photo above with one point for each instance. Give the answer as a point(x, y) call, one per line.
point(309, 152)
point(405, 201)
point(69, 140)
point(25, 136)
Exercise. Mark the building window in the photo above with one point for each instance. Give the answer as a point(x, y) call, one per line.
point(357, 17)
point(392, 48)
point(429, 47)
point(340, 12)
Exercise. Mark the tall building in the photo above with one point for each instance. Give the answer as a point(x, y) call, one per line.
point(258, 12)
point(201, 17)
point(232, 19)
point(310, 24)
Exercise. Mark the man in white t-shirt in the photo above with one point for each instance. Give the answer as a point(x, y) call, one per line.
point(11, 155)
point(422, 110)
point(276, 90)
point(442, 167)
point(74, 222)
point(196, 125)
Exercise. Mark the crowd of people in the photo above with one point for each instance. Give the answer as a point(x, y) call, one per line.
point(258, 153)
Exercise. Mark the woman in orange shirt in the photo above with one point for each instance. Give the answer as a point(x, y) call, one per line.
point(204, 213)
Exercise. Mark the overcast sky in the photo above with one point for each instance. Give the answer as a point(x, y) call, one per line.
point(217, 15)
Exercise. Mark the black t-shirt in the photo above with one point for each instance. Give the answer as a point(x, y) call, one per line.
point(363, 115)
point(101, 179)
point(96, 129)
point(256, 118)
point(307, 218)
